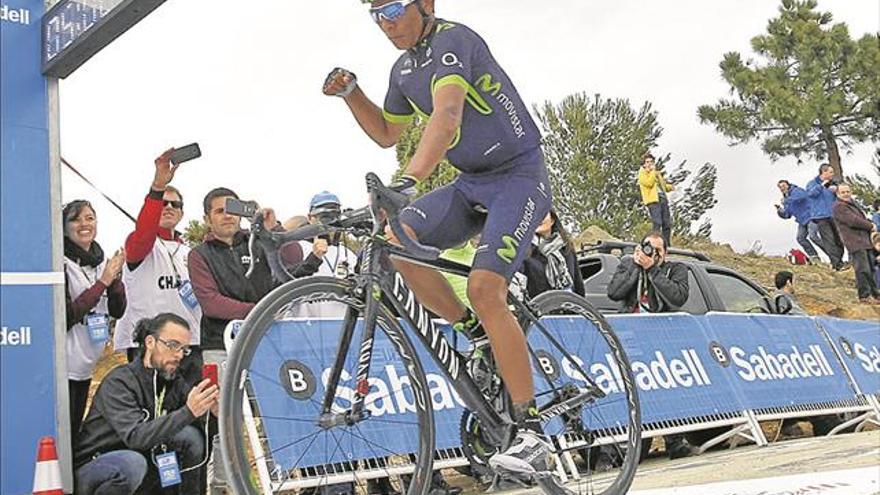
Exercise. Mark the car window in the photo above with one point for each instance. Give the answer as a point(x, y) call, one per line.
point(696, 303)
point(737, 295)
point(590, 267)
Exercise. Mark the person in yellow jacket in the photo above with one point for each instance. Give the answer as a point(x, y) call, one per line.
point(654, 189)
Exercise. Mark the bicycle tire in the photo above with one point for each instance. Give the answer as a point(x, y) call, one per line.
point(604, 340)
point(236, 388)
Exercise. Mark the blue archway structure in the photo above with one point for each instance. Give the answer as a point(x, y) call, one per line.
point(34, 51)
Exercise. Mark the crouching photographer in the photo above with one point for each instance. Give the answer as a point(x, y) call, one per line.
point(143, 433)
point(648, 283)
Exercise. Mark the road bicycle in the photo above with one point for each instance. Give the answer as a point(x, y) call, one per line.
point(365, 407)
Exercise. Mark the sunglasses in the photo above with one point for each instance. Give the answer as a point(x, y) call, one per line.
point(174, 204)
point(391, 11)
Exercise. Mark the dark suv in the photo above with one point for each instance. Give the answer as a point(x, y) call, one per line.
point(712, 287)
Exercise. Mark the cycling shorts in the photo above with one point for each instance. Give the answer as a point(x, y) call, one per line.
point(505, 207)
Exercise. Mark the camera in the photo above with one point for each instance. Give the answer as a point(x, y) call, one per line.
point(327, 214)
point(241, 208)
point(648, 249)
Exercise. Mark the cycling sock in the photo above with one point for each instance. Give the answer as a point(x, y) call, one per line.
point(527, 417)
point(469, 324)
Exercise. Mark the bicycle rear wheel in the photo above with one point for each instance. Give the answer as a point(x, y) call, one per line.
point(581, 369)
point(274, 436)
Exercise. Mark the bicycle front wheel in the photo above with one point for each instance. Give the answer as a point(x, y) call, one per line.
point(585, 391)
point(300, 341)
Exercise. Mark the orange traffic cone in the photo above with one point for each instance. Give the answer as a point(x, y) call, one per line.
point(47, 474)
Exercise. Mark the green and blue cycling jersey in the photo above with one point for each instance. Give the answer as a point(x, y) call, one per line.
point(496, 126)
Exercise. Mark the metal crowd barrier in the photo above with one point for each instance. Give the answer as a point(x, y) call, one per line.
point(694, 373)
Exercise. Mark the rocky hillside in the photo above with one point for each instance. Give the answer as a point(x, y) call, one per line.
point(820, 290)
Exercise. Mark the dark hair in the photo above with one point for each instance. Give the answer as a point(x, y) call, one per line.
point(73, 209)
point(152, 326)
point(783, 278)
point(560, 229)
point(824, 167)
point(217, 192)
point(646, 156)
point(655, 235)
point(780, 181)
point(877, 204)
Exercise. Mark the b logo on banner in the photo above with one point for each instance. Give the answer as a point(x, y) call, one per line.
point(548, 363)
point(298, 380)
point(719, 353)
point(846, 347)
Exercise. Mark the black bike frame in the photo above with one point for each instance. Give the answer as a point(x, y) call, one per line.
point(390, 284)
point(380, 282)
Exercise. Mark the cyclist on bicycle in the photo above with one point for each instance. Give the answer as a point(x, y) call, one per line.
point(475, 118)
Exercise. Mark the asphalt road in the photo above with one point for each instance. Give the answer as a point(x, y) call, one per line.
point(840, 465)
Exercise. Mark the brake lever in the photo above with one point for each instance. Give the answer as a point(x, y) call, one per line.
point(392, 202)
point(256, 226)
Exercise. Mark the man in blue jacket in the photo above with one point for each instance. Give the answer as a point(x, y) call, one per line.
point(795, 203)
point(822, 193)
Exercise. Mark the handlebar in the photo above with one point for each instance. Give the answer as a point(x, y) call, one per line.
point(392, 202)
point(365, 220)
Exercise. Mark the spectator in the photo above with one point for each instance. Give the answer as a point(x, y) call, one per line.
point(795, 203)
point(94, 294)
point(142, 410)
point(648, 283)
point(294, 222)
point(821, 191)
point(876, 216)
point(552, 264)
point(325, 256)
point(217, 268)
point(855, 230)
point(875, 241)
point(654, 189)
point(155, 274)
point(784, 282)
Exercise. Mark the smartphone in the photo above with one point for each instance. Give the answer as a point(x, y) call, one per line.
point(210, 372)
point(241, 208)
point(185, 154)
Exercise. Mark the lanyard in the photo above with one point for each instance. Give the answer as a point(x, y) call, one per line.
point(91, 282)
point(159, 399)
point(335, 262)
point(171, 256)
point(86, 275)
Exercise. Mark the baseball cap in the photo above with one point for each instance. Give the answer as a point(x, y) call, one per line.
point(323, 198)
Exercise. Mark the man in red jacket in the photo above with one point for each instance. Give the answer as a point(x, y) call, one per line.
point(155, 275)
point(855, 231)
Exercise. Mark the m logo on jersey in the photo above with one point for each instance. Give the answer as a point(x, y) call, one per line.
point(508, 252)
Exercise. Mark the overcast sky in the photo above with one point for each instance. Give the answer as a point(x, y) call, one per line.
point(244, 78)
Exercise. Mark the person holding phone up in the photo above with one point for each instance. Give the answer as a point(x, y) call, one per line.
point(155, 274)
point(144, 430)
